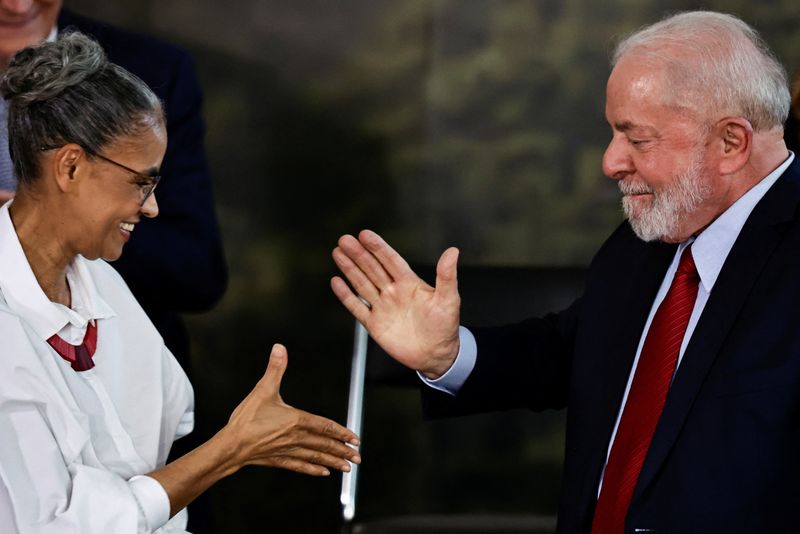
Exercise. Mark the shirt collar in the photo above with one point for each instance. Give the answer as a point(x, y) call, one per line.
point(25, 297)
point(711, 247)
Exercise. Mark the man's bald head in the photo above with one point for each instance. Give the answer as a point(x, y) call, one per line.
point(714, 66)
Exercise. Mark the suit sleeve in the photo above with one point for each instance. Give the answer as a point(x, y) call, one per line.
point(175, 261)
point(524, 365)
point(529, 364)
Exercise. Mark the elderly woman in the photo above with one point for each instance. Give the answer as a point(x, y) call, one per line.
point(90, 398)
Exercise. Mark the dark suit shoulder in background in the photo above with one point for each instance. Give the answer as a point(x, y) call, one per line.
point(173, 263)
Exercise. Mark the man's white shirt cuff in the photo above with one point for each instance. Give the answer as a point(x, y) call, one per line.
point(454, 378)
point(152, 499)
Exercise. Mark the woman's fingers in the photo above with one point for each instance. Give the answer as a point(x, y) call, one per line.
point(269, 432)
point(308, 447)
point(310, 456)
point(333, 449)
point(322, 426)
point(299, 466)
point(271, 381)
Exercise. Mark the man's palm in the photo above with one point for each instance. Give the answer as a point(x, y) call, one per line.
point(413, 322)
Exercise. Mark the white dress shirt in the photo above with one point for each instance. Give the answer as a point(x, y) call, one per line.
point(709, 249)
point(73, 445)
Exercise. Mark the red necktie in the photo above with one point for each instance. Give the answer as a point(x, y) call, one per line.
point(79, 357)
point(646, 398)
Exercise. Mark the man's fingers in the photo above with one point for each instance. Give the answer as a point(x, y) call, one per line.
point(446, 273)
point(278, 360)
point(365, 260)
point(394, 264)
point(355, 276)
point(354, 305)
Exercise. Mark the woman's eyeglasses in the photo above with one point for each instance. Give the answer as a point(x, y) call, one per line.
point(146, 182)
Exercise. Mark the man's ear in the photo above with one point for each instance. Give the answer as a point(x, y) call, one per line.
point(735, 135)
point(65, 165)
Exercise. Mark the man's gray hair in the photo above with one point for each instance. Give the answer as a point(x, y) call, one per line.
point(67, 91)
point(715, 65)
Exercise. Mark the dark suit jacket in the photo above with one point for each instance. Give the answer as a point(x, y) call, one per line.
point(725, 456)
point(173, 263)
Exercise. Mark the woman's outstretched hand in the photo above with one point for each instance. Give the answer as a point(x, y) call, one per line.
point(263, 430)
point(269, 432)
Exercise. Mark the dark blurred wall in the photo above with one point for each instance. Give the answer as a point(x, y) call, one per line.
point(477, 124)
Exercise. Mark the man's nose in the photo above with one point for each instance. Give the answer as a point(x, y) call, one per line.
point(617, 162)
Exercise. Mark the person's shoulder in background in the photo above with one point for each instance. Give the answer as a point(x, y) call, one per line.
point(151, 59)
point(792, 129)
point(175, 262)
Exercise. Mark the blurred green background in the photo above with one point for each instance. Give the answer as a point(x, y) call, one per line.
point(474, 123)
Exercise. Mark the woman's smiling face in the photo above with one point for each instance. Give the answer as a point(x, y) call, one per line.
point(111, 198)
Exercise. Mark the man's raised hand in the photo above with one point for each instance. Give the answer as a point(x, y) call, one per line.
point(413, 322)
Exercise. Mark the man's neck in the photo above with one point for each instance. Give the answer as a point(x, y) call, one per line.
point(769, 151)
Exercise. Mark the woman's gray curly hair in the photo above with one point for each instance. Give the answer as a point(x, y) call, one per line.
point(67, 91)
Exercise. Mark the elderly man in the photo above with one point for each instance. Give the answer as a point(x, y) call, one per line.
point(680, 364)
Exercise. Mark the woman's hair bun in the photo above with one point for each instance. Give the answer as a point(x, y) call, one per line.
point(41, 72)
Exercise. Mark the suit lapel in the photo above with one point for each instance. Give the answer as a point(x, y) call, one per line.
point(630, 323)
point(760, 235)
point(626, 320)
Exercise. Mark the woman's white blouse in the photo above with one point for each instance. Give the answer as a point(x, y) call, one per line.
point(72, 445)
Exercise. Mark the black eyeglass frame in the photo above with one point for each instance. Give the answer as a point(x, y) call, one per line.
point(148, 189)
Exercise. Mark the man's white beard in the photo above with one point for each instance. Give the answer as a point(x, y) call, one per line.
point(661, 220)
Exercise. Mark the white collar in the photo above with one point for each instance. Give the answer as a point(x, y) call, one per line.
point(712, 246)
point(25, 297)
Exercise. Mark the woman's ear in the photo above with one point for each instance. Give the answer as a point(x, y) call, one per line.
point(65, 165)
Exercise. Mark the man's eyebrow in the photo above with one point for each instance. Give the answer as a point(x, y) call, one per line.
point(624, 126)
point(627, 126)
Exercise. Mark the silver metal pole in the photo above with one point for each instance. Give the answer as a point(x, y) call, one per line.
point(355, 412)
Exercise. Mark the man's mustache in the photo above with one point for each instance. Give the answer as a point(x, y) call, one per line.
point(634, 188)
